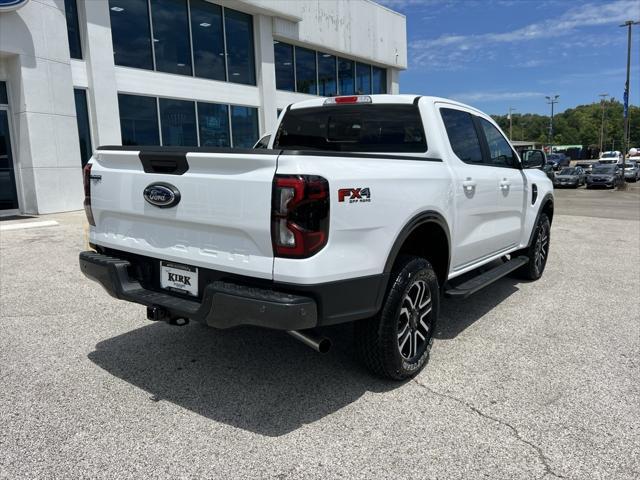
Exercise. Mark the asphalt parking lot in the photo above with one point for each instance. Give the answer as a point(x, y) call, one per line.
point(526, 380)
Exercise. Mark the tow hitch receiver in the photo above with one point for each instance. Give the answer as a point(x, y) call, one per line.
point(157, 313)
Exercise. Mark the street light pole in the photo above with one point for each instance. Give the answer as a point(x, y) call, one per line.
point(552, 100)
point(603, 99)
point(511, 110)
point(627, 24)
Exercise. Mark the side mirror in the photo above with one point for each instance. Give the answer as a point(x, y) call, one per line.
point(533, 159)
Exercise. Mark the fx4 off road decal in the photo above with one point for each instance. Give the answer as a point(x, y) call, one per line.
point(353, 195)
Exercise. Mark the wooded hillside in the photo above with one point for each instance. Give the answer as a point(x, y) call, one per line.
point(577, 126)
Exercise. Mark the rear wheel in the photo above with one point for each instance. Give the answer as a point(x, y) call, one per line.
point(396, 343)
point(538, 251)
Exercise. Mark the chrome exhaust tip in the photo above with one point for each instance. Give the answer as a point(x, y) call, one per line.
point(319, 343)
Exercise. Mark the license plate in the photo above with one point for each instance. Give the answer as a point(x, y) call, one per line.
point(179, 278)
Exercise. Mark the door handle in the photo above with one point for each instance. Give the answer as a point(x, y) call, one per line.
point(469, 185)
point(505, 184)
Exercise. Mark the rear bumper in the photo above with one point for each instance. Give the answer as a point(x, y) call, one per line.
point(223, 305)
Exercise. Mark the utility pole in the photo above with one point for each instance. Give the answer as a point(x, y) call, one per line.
point(511, 110)
point(627, 24)
point(552, 100)
point(603, 99)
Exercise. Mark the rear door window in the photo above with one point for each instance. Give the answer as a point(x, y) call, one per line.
point(462, 134)
point(353, 128)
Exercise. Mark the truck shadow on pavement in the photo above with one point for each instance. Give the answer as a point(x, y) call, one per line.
point(457, 315)
point(255, 379)
point(259, 380)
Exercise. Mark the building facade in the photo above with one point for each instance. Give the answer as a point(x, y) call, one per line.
point(75, 74)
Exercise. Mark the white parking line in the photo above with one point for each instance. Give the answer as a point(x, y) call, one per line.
point(23, 225)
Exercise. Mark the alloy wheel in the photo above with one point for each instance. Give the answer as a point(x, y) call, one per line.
point(414, 322)
point(542, 248)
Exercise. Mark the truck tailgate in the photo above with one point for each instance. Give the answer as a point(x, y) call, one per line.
point(222, 220)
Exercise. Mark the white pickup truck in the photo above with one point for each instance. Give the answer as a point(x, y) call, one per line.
point(362, 208)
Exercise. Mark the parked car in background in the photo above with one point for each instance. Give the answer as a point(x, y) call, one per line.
point(604, 175)
point(631, 171)
point(570, 177)
point(613, 156)
point(586, 166)
point(558, 160)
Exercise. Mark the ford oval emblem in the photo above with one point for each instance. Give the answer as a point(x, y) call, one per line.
point(162, 195)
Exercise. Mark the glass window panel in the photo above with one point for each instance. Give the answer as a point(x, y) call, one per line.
point(306, 71)
point(84, 131)
point(178, 122)
point(244, 125)
point(240, 60)
point(213, 120)
point(73, 28)
point(130, 33)
point(171, 36)
point(138, 120)
point(3, 94)
point(462, 135)
point(346, 85)
point(499, 149)
point(327, 85)
point(263, 142)
point(208, 40)
point(353, 128)
point(379, 80)
point(283, 55)
point(363, 78)
point(8, 192)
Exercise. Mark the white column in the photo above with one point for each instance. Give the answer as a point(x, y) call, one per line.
point(265, 74)
point(393, 81)
point(103, 90)
point(34, 41)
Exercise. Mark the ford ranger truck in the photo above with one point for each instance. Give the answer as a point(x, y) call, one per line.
point(364, 209)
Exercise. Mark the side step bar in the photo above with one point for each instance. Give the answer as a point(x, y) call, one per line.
point(487, 278)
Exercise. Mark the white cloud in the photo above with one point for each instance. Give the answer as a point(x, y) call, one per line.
point(450, 52)
point(494, 96)
point(532, 63)
point(596, 75)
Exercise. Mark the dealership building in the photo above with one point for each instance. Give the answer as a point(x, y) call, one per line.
point(76, 74)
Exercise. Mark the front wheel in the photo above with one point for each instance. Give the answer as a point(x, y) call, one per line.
point(396, 343)
point(538, 251)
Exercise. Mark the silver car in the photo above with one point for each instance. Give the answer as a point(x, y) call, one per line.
point(631, 171)
point(570, 177)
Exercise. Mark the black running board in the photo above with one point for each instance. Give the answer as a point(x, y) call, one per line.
point(486, 278)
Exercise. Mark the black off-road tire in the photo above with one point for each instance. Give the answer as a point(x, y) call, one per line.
point(378, 338)
point(537, 252)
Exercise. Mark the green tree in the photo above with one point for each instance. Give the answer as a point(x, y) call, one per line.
point(577, 126)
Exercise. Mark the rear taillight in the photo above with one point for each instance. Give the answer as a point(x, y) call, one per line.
point(87, 194)
point(299, 215)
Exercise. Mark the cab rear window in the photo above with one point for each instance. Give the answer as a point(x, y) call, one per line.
point(353, 128)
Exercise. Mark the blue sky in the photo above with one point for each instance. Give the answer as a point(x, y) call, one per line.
point(496, 54)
